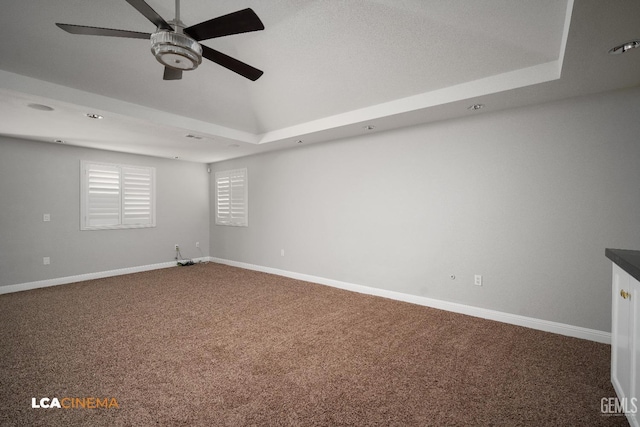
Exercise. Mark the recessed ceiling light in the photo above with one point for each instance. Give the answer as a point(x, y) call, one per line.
point(624, 47)
point(475, 107)
point(94, 116)
point(40, 107)
point(368, 127)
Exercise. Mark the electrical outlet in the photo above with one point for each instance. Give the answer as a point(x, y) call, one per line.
point(46, 217)
point(197, 244)
point(477, 280)
point(177, 248)
point(46, 260)
point(281, 252)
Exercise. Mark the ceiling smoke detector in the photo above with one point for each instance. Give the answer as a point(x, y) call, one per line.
point(176, 50)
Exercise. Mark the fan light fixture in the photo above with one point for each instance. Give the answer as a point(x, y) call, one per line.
point(176, 50)
point(176, 46)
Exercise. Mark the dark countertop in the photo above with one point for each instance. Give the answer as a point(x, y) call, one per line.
point(626, 259)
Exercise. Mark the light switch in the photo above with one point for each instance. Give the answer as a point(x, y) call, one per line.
point(46, 217)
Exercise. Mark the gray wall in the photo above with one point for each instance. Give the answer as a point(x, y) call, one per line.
point(38, 178)
point(529, 198)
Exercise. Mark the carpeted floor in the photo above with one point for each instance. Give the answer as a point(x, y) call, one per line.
point(212, 345)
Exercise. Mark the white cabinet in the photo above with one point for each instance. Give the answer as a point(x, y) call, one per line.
point(625, 343)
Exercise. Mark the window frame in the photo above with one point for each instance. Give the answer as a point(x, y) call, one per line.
point(125, 199)
point(237, 216)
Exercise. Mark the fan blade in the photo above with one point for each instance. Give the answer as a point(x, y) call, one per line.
point(232, 64)
point(157, 20)
point(242, 21)
point(97, 31)
point(172, 74)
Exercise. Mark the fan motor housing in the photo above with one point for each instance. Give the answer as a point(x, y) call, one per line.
point(176, 50)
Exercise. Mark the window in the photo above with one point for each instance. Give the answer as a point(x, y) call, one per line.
point(116, 196)
point(231, 198)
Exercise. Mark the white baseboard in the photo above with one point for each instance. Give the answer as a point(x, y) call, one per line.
point(513, 319)
point(90, 276)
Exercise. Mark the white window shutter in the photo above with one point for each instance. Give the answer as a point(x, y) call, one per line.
point(116, 196)
point(231, 197)
point(223, 198)
point(137, 196)
point(103, 195)
point(238, 202)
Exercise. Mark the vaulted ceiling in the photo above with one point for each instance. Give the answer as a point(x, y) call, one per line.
point(332, 68)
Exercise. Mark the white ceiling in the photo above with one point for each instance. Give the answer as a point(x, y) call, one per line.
point(330, 68)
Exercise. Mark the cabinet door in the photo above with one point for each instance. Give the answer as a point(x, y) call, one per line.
point(634, 323)
point(620, 334)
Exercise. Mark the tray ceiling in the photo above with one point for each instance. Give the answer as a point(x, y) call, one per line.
point(330, 69)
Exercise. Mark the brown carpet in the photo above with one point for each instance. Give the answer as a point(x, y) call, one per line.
point(213, 345)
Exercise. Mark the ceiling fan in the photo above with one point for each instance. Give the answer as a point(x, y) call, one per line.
point(177, 47)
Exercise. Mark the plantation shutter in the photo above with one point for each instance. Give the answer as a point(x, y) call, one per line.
point(103, 195)
point(116, 196)
point(137, 192)
point(231, 197)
